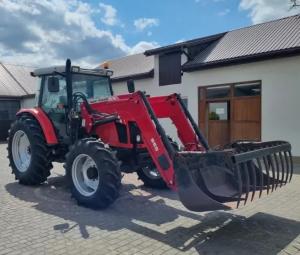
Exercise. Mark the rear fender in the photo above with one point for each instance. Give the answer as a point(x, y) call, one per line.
point(44, 122)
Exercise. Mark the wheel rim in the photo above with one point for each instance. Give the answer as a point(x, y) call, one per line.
point(85, 175)
point(21, 151)
point(151, 172)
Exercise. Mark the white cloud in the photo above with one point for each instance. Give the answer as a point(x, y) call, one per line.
point(266, 10)
point(144, 23)
point(224, 12)
point(110, 14)
point(46, 32)
point(180, 41)
point(143, 46)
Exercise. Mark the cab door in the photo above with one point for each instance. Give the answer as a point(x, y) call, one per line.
point(53, 104)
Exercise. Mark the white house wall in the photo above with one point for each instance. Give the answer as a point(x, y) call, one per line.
point(28, 102)
point(280, 93)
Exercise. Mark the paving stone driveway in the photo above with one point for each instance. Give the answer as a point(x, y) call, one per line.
point(46, 220)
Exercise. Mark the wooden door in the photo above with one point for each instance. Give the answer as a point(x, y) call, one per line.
point(246, 118)
point(218, 128)
point(239, 107)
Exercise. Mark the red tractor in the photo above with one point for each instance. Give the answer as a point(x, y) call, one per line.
point(78, 121)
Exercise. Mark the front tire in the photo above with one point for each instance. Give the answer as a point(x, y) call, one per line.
point(28, 153)
point(151, 177)
point(94, 173)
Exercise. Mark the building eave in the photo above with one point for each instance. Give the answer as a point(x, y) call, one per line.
point(242, 60)
point(139, 76)
point(179, 46)
point(28, 96)
point(9, 97)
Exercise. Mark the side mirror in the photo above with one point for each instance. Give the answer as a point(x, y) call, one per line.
point(130, 86)
point(53, 84)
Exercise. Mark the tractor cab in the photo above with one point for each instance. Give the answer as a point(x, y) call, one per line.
point(58, 84)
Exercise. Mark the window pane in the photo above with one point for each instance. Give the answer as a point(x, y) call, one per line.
point(50, 100)
point(249, 89)
point(218, 111)
point(218, 92)
point(94, 87)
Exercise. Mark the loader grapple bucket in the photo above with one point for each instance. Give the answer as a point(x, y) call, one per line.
point(213, 180)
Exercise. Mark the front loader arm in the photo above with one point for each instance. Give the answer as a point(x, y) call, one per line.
point(188, 132)
point(136, 107)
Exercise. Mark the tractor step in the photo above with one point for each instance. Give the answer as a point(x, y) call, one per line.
point(208, 181)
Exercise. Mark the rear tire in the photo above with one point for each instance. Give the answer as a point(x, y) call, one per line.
point(94, 173)
point(28, 153)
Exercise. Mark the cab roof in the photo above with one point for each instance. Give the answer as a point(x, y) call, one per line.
point(75, 69)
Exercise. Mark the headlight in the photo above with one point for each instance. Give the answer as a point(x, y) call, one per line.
point(75, 69)
point(109, 72)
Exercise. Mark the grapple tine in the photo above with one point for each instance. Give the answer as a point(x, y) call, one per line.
point(273, 171)
point(261, 184)
point(291, 164)
point(282, 168)
point(247, 182)
point(253, 173)
point(277, 170)
point(240, 185)
point(268, 174)
point(287, 166)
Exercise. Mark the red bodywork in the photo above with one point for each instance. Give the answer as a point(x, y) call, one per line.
point(45, 123)
point(131, 107)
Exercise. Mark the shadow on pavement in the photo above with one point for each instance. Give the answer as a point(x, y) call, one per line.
point(297, 169)
point(146, 214)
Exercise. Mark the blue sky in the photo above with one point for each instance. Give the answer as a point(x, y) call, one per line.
point(46, 32)
point(179, 19)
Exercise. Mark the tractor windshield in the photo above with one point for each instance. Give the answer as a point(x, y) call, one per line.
point(94, 87)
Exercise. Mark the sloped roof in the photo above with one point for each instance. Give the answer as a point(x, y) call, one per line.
point(15, 81)
point(279, 36)
point(262, 41)
point(132, 66)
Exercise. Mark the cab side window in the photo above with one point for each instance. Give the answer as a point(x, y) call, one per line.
point(50, 100)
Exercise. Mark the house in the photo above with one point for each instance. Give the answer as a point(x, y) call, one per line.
point(17, 90)
point(241, 84)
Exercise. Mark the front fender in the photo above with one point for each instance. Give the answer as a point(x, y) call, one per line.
point(44, 122)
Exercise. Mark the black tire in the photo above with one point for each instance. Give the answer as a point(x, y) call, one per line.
point(40, 163)
point(154, 182)
point(157, 182)
point(108, 172)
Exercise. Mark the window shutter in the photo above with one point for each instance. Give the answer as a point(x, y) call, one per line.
point(170, 69)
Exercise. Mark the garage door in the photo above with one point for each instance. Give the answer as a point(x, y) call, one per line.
point(8, 110)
